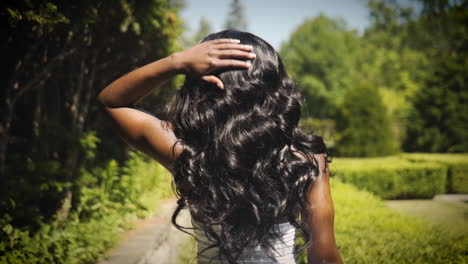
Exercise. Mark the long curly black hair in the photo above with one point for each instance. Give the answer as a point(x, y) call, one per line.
point(239, 167)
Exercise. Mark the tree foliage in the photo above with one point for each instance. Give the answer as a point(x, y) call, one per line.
point(236, 18)
point(321, 55)
point(204, 28)
point(439, 120)
point(364, 124)
point(416, 58)
point(57, 56)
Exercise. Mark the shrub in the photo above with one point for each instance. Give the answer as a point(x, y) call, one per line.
point(392, 177)
point(363, 125)
point(110, 198)
point(457, 164)
point(367, 231)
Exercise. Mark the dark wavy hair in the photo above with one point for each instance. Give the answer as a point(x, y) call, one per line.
point(238, 168)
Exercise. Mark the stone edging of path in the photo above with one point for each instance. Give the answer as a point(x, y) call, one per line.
point(458, 198)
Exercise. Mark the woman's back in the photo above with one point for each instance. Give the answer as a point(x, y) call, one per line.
point(284, 248)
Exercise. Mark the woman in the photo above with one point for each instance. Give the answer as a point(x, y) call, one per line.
point(249, 176)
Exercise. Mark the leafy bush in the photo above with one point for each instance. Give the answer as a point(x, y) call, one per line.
point(392, 177)
point(363, 125)
point(457, 164)
point(367, 231)
point(110, 197)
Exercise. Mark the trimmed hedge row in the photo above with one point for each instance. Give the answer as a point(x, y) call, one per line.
point(367, 231)
point(406, 176)
point(457, 168)
point(392, 177)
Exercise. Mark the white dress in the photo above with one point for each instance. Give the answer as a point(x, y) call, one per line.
point(284, 252)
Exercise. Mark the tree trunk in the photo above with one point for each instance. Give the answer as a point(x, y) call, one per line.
point(80, 98)
point(5, 126)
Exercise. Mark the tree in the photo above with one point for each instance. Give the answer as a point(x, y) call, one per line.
point(236, 19)
point(439, 120)
point(57, 57)
point(363, 124)
point(321, 55)
point(204, 28)
point(389, 60)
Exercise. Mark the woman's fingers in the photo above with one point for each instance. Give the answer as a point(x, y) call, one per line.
point(213, 79)
point(232, 54)
point(235, 46)
point(225, 63)
point(224, 40)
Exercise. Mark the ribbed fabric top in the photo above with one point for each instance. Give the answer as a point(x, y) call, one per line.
point(284, 252)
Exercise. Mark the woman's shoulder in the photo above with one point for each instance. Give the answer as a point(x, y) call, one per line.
point(319, 159)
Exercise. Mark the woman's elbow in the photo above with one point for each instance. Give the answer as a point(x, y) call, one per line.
point(324, 256)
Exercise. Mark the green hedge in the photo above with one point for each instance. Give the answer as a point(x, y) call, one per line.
point(367, 231)
point(392, 177)
point(111, 198)
point(457, 165)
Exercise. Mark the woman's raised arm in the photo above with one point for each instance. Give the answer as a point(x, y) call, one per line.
point(146, 132)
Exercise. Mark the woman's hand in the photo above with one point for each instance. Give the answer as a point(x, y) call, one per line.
point(213, 55)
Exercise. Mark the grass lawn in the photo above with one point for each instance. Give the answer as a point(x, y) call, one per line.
point(449, 215)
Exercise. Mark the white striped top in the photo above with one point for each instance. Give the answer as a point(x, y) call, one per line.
point(284, 252)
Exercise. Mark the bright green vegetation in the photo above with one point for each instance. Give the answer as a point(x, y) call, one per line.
point(392, 177)
point(405, 176)
point(364, 124)
point(112, 197)
point(449, 215)
point(188, 251)
point(457, 165)
point(414, 60)
point(68, 183)
point(367, 231)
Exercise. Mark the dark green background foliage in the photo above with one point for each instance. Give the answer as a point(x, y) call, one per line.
point(58, 56)
point(59, 173)
point(439, 120)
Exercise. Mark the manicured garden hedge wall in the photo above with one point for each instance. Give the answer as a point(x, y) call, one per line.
point(392, 177)
point(457, 168)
